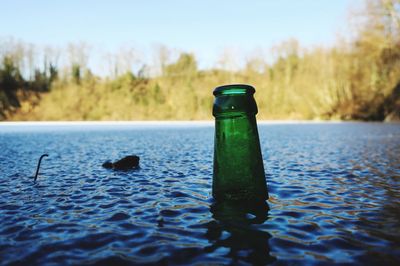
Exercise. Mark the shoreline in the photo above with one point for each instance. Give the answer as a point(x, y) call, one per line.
point(162, 122)
point(168, 123)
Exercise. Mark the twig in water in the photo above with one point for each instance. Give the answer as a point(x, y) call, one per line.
point(38, 166)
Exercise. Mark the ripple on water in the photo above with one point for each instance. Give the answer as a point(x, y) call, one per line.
point(120, 216)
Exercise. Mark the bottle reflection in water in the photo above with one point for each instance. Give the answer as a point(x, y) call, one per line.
point(236, 228)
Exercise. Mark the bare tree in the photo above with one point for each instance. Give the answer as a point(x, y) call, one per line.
point(78, 54)
point(162, 57)
point(228, 59)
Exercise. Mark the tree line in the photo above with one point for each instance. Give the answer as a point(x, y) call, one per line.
point(357, 79)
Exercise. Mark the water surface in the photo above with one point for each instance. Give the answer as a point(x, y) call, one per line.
point(334, 197)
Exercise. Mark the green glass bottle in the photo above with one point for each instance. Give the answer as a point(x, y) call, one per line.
point(238, 165)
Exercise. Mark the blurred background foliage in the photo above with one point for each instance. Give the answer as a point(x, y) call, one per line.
point(357, 79)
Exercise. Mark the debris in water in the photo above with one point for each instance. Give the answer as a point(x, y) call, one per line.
point(126, 163)
point(38, 166)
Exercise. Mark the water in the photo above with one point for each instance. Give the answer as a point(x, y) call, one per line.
point(334, 197)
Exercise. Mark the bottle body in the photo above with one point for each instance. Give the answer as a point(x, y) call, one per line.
point(238, 172)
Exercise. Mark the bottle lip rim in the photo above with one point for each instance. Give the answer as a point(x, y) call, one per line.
point(233, 89)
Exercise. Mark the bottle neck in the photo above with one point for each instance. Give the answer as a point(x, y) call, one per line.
point(234, 105)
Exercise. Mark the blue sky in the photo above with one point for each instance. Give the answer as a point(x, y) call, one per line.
point(204, 27)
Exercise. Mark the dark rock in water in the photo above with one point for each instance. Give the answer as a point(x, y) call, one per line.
point(108, 165)
point(126, 163)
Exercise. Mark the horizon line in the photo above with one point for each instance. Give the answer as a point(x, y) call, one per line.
point(160, 122)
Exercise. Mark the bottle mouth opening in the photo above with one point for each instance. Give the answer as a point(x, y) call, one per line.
point(234, 89)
